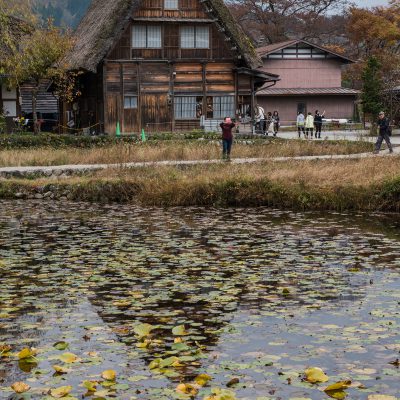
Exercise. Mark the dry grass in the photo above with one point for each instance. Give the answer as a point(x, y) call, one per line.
point(174, 150)
point(318, 173)
point(365, 184)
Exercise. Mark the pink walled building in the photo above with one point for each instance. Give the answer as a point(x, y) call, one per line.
point(310, 79)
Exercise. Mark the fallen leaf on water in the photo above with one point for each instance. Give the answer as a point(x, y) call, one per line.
point(155, 363)
point(27, 353)
point(337, 394)
point(68, 358)
point(60, 370)
point(4, 350)
point(61, 345)
point(102, 393)
point(144, 345)
point(20, 387)
point(90, 385)
point(170, 362)
point(315, 375)
point(109, 375)
point(60, 392)
point(233, 382)
point(221, 394)
point(187, 388)
point(202, 379)
point(179, 330)
point(338, 386)
point(143, 330)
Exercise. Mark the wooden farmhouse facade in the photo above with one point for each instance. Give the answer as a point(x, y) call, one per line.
point(162, 65)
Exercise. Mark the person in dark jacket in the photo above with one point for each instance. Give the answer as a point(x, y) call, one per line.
point(384, 133)
point(277, 122)
point(318, 124)
point(227, 138)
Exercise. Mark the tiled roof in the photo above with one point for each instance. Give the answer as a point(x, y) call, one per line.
point(307, 91)
point(265, 50)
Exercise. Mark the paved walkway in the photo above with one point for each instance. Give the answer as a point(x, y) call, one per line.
point(82, 169)
point(353, 136)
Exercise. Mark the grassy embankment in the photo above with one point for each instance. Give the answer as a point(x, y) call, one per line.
point(366, 184)
point(160, 150)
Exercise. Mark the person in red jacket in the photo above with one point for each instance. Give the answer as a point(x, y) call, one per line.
point(227, 137)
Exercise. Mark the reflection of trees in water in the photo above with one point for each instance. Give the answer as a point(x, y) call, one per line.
point(178, 267)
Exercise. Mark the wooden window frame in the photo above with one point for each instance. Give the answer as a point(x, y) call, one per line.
point(195, 37)
point(147, 37)
point(179, 104)
point(131, 106)
point(166, 8)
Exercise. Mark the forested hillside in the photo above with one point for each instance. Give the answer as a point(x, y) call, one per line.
point(64, 12)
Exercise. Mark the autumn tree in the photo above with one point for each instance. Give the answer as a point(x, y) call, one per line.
point(270, 21)
point(376, 31)
point(375, 39)
point(40, 55)
point(16, 18)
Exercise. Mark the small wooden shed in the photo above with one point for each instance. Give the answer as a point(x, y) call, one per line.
point(162, 65)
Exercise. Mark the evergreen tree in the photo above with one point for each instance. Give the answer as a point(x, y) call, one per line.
point(372, 92)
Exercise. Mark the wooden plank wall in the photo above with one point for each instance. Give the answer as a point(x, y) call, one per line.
point(186, 9)
point(156, 84)
point(171, 49)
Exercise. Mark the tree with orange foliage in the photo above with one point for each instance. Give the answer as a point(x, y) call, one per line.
point(375, 34)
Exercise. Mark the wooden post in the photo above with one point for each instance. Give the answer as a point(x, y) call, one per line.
point(204, 82)
point(122, 106)
point(252, 105)
point(172, 95)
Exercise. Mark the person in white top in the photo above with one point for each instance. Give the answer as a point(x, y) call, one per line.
point(300, 124)
point(309, 125)
point(259, 116)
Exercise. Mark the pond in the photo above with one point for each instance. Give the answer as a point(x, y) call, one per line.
point(166, 300)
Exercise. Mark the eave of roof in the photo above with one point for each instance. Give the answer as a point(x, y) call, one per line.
point(308, 92)
point(268, 77)
point(270, 49)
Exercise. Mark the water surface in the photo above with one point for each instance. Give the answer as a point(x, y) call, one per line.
point(262, 296)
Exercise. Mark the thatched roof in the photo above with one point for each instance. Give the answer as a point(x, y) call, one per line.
point(11, 31)
point(106, 20)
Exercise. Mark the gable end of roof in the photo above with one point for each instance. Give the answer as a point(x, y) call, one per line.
point(265, 51)
point(106, 20)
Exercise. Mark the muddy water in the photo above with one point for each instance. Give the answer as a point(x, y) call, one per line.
point(252, 294)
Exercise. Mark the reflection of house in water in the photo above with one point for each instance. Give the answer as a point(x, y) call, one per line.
point(162, 65)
